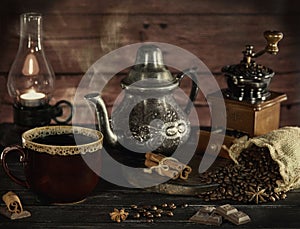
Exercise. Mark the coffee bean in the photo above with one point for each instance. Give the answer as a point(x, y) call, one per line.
point(209, 181)
point(265, 173)
point(172, 205)
point(159, 211)
point(141, 210)
point(149, 220)
point(229, 192)
point(157, 215)
point(154, 208)
point(240, 198)
point(164, 205)
point(169, 213)
point(136, 215)
point(134, 206)
point(276, 196)
point(283, 196)
point(222, 190)
point(213, 195)
point(150, 216)
point(184, 205)
point(227, 180)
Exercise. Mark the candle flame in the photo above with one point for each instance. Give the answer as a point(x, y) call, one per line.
point(31, 65)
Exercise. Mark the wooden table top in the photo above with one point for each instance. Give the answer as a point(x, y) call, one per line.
point(94, 211)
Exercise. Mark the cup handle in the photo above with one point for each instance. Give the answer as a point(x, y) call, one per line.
point(5, 165)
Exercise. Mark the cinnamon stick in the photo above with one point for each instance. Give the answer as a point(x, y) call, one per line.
point(13, 209)
point(161, 170)
point(157, 159)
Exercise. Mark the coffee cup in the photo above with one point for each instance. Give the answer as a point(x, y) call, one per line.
point(53, 158)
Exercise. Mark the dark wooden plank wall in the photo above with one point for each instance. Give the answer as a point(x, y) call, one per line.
point(78, 32)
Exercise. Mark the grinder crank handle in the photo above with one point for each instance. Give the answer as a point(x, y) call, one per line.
point(272, 37)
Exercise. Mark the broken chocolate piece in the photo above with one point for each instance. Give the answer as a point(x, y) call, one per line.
point(225, 210)
point(207, 209)
point(238, 218)
point(232, 214)
point(206, 218)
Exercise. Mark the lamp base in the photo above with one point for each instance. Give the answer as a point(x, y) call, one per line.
point(33, 116)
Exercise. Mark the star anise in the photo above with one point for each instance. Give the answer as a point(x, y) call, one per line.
point(118, 215)
point(256, 195)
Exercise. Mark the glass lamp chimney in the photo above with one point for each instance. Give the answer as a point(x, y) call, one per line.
point(31, 78)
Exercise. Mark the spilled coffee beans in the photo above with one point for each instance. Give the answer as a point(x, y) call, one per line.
point(252, 180)
point(150, 213)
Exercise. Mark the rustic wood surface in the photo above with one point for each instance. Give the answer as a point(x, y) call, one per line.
point(79, 32)
point(94, 211)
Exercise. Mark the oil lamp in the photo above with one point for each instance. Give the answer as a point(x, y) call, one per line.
point(31, 78)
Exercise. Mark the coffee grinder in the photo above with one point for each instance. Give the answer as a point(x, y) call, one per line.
point(252, 109)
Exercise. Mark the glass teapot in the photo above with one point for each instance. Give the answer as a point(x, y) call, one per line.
point(148, 118)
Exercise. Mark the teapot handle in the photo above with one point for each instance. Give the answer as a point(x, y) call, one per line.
point(194, 88)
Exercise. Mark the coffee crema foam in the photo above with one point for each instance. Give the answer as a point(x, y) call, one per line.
point(42, 132)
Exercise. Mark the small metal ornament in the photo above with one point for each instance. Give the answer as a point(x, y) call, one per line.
point(249, 81)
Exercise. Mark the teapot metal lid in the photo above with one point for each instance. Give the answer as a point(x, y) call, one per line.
point(149, 71)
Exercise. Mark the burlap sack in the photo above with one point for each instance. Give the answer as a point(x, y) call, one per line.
point(284, 147)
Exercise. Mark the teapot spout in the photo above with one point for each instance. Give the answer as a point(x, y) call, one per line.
point(97, 102)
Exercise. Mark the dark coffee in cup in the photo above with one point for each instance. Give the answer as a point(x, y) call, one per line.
point(64, 140)
point(54, 162)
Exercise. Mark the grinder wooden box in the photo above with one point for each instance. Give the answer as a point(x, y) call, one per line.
point(253, 119)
